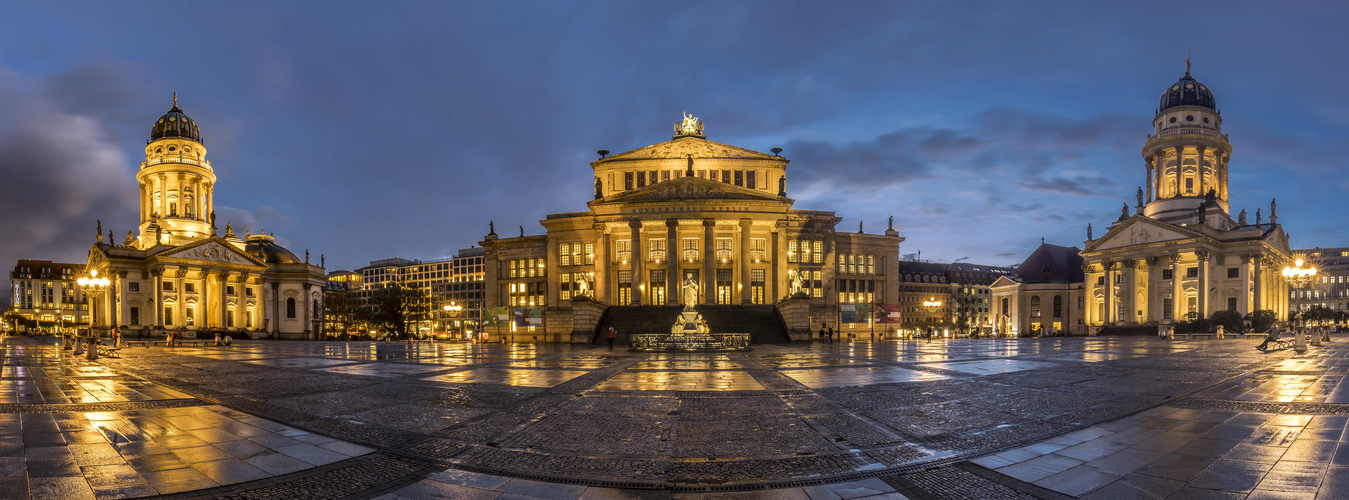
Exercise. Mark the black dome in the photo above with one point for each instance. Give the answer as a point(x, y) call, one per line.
point(176, 125)
point(264, 248)
point(1187, 92)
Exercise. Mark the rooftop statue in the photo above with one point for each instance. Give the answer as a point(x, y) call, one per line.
point(690, 126)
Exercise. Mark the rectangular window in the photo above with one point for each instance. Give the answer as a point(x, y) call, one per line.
point(664, 175)
point(724, 286)
point(133, 286)
point(623, 250)
point(871, 265)
point(657, 287)
point(168, 315)
point(1191, 272)
point(792, 250)
point(229, 318)
point(627, 181)
point(702, 174)
point(564, 254)
point(624, 288)
point(513, 270)
point(1231, 303)
point(168, 286)
point(816, 285)
point(641, 179)
point(723, 249)
point(248, 319)
point(690, 249)
point(758, 249)
point(819, 252)
point(656, 252)
point(135, 315)
point(248, 292)
point(756, 285)
point(229, 290)
point(740, 177)
point(749, 179)
point(191, 316)
point(589, 254)
point(1189, 184)
point(1192, 304)
point(726, 176)
point(1233, 272)
point(1166, 274)
point(564, 285)
point(1119, 278)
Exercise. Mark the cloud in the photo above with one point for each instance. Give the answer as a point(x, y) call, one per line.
point(60, 170)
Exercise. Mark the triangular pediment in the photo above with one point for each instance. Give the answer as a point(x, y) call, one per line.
point(1004, 281)
point(1139, 230)
point(213, 249)
point(690, 188)
point(683, 147)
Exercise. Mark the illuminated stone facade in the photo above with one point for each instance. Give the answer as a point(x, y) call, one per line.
point(178, 274)
point(1181, 252)
point(46, 292)
point(688, 209)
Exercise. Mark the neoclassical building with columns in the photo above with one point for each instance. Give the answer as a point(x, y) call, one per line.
point(1180, 251)
point(689, 210)
point(178, 273)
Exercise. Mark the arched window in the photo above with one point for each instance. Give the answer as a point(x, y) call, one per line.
point(1035, 306)
point(290, 307)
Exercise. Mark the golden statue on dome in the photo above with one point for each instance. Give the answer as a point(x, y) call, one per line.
point(690, 126)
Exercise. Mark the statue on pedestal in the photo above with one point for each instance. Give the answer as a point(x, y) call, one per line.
point(690, 293)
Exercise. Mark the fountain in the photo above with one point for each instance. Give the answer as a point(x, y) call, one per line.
point(690, 331)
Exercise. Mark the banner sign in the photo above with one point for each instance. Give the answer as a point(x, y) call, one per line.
point(854, 313)
point(497, 316)
point(889, 313)
point(528, 316)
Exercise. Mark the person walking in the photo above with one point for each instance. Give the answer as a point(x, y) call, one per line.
point(831, 335)
point(822, 333)
point(612, 334)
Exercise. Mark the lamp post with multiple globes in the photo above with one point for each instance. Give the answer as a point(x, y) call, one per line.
point(1299, 277)
point(91, 285)
point(932, 304)
point(453, 310)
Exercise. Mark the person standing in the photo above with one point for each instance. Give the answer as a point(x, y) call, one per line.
point(822, 332)
point(612, 333)
point(831, 335)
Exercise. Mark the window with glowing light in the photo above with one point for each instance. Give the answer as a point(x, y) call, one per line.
point(623, 251)
point(756, 286)
point(656, 252)
point(723, 249)
point(690, 250)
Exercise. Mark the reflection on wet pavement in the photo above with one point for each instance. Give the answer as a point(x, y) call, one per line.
point(721, 380)
point(990, 367)
point(509, 376)
point(382, 369)
point(842, 377)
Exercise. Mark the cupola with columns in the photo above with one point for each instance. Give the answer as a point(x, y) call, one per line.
point(1186, 155)
point(176, 183)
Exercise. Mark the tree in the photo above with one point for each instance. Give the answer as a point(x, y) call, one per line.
point(1262, 319)
point(1193, 323)
point(1318, 314)
point(340, 312)
point(966, 308)
point(394, 308)
point(1231, 321)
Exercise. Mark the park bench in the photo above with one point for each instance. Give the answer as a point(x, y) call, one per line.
point(1194, 335)
point(109, 351)
point(142, 343)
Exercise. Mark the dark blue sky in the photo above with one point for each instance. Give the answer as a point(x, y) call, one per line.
point(371, 130)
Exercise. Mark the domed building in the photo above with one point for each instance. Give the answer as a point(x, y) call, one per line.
point(686, 221)
point(179, 274)
point(1180, 253)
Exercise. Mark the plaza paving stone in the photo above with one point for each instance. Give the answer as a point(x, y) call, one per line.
point(970, 418)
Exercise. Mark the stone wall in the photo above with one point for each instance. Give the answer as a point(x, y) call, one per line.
point(796, 314)
point(585, 316)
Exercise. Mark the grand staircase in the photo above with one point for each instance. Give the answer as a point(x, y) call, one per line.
point(762, 322)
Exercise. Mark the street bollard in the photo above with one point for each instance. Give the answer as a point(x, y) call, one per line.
point(93, 348)
point(79, 346)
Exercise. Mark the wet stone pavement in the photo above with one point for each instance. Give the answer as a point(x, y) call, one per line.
point(1017, 418)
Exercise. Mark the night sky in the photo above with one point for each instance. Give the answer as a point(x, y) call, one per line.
point(371, 130)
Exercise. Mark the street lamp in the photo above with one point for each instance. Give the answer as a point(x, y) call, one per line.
point(453, 310)
point(932, 304)
point(91, 284)
point(1299, 277)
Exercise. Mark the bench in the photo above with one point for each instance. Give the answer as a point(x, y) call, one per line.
point(1196, 334)
point(109, 351)
point(142, 343)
